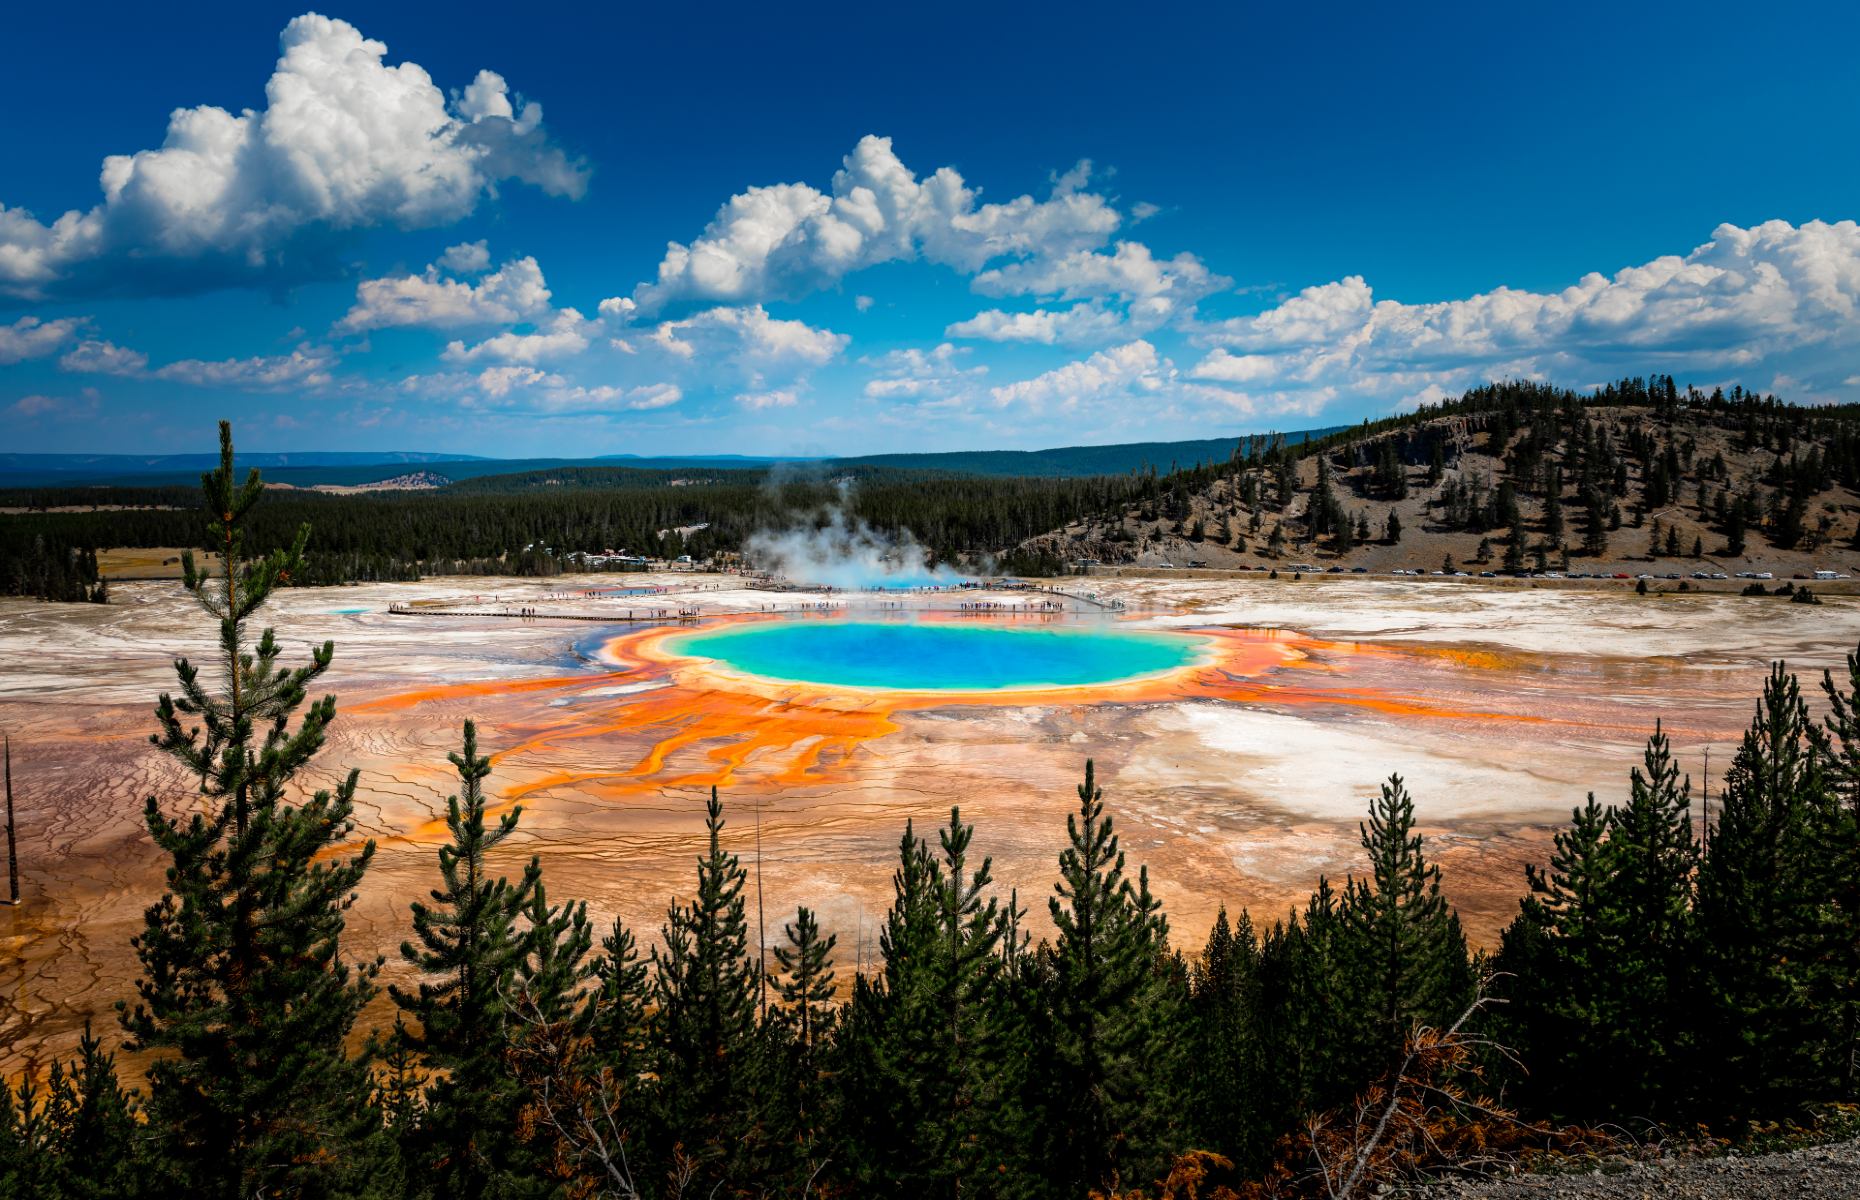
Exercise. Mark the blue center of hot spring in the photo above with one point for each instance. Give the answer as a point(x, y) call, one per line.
point(939, 657)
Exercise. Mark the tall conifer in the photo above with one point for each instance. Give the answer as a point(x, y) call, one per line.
point(1409, 953)
point(1761, 918)
point(469, 950)
point(1112, 1011)
point(243, 997)
point(704, 991)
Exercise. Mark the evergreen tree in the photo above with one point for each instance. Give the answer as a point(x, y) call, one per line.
point(620, 1020)
point(704, 990)
point(1229, 1058)
point(1514, 548)
point(888, 1036)
point(927, 1077)
point(1113, 1015)
point(1548, 965)
point(1838, 744)
point(807, 961)
point(1761, 918)
point(74, 1138)
point(469, 952)
point(807, 992)
point(1409, 953)
point(1647, 905)
point(965, 968)
point(243, 996)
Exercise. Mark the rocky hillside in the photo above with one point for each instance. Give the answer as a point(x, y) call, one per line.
point(1517, 477)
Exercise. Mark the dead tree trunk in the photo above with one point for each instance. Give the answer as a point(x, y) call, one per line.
point(12, 853)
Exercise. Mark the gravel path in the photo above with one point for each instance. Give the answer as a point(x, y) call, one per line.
point(1818, 1173)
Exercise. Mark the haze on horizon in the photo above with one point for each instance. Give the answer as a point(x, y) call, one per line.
point(576, 234)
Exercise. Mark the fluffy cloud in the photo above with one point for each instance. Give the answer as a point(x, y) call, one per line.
point(30, 337)
point(748, 337)
point(1124, 292)
point(344, 141)
point(918, 375)
point(565, 335)
point(94, 356)
point(789, 239)
point(1047, 327)
point(514, 292)
point(466, 258)
point(303, 367)
point(1120, 370)
point(528, 389)
point(1773, 296)
point(1129, 272)
point(777, 398)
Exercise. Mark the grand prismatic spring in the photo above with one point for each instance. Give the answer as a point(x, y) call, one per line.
point(1239, 727)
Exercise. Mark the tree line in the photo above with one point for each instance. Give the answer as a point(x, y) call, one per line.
point(1662, 973)
point(529, 524)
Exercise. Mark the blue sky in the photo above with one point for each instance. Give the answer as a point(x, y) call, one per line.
point(843, 229)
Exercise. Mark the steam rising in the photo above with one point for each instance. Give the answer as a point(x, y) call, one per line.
point(838, 551)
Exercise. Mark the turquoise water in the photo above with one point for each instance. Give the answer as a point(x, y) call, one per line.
point(939, 657)
point(346, 612)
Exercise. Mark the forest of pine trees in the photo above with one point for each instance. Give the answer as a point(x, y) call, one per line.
point(1553, 456)
point(1663, 973)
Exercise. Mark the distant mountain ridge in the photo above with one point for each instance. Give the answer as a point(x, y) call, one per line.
point(30, 470)
point(351, 469)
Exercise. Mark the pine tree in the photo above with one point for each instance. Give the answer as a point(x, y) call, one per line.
point(1646, 908)
point(807, 993)
point(807, 961)
point(552, 976)
point(887, 1045)
point(1514, 548)
point(1228, 1064)
point(969, 934)
point(620, 1020)
point(1548, 964)
point(704, 990)
point(1760, 918)
point(924, 1039)
point(1838, 744)
point(1113, 1016)
point(1410, 954)
point(75, 1137)
point(469, 951)
point(243, 996)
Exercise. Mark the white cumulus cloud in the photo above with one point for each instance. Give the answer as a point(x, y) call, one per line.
point(940, 373)
point(345, 141)
point(1778, 299)
point(1044, 326)
point(1119, 370)
point(306, 366)
point(748, 337)
point(514, 292)
point(29, 337)
point(526, 388)
point(788, 239)
point(565, 335)
point(95, 356)
point(775, 398)
point(466, 258)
